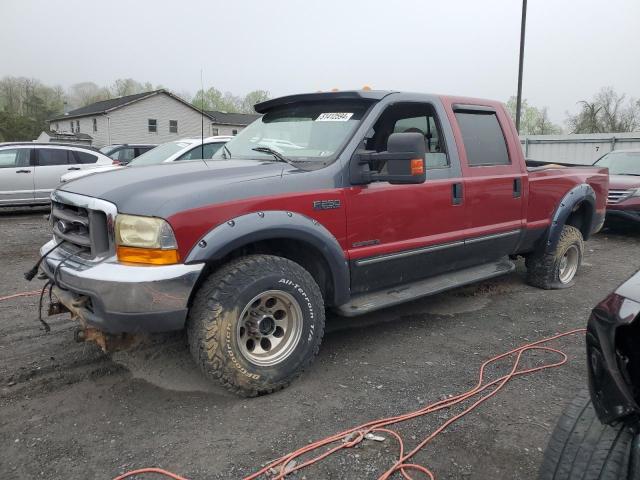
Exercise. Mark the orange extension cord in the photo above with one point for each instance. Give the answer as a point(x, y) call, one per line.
point(281, 467)
point(23, 294)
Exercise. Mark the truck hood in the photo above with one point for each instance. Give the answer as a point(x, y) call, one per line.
point(623, 182)
point(161, 190)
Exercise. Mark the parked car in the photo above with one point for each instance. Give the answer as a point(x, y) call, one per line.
point(185, 149)
point(124, 153)
point(597, 436)
point(378, 199)
point(30, 171)
point(623, 205)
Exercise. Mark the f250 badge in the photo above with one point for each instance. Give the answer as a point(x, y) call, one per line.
point(326, 204)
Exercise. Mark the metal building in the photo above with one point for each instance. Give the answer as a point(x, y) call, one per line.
point(576, 148)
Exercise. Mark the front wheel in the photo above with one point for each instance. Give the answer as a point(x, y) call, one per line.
point(583, 448)
point(256, 323)
point(558, 268)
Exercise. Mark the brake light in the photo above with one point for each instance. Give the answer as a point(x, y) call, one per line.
point(116, 162)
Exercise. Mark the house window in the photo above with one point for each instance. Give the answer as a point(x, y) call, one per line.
point(95, 124)
point(57, 127)
point(214, 131)
point(77, 126)
point(152, 125)
point(234, 132)
point(71, 123)
point(173, 126)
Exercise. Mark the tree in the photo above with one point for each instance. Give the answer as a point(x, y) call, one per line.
point(85, 93)
point(608, 112)
point(253, 98)
point(533, 121)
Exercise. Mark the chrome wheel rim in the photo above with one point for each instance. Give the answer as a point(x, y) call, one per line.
point(569, 264)
point(269, 328)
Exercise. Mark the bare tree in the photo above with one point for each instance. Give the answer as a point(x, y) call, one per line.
point(608, 112)
point(85, 93)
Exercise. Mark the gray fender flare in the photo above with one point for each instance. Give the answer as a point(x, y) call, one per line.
point(579, 194)
point(267, 225)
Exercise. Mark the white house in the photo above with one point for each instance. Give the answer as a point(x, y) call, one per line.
point(151, 117)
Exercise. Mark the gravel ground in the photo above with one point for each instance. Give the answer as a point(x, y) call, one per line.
point(69, 411)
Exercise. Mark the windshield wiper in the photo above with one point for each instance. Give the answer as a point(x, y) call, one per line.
point(226, 149)
point(271, 151)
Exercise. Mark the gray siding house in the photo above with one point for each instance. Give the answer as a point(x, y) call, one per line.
point(151, 117)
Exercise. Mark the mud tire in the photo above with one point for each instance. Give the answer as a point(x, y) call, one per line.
point(543, 268)
point(214, 316)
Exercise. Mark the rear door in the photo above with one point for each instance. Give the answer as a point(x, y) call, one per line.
point(51, 164)
point(494, 181)
point(16, 176)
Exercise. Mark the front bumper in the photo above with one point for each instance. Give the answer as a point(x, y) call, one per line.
point(632, 216)
point(612, 342)
point(123, 298)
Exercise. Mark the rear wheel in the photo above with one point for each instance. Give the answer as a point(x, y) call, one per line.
point(558, 268)
point(583, 448)
point(256, 323)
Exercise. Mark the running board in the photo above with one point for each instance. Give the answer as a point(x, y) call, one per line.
point(369, 302)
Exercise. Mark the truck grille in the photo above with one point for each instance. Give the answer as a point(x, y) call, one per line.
point(84, 231)
point(617, 196)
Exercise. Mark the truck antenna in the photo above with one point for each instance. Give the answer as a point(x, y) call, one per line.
point(202, 117)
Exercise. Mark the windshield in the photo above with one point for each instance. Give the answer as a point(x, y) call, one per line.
point(621, 163)
point(107, 149)
point(159, 154)
point(301, 132)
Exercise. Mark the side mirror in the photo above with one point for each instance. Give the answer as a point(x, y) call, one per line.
point(402, 163)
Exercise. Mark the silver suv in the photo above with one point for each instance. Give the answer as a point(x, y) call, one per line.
point(30, 171)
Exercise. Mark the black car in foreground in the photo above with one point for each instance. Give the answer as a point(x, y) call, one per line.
point(598, 436)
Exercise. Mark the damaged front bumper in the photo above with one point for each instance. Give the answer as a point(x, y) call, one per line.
point(613, 359)
point(115, 298)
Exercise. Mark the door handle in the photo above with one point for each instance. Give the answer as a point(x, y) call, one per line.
point(517, 187)
point(73, 168)
point(456, 193)
point(23, 171)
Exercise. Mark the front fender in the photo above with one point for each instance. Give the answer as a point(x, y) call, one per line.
point(577, 195)
point(269, 225)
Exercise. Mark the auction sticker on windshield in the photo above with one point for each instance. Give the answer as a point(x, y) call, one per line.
point(334, 117)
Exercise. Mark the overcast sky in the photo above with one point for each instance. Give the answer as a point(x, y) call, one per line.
point(465, 47)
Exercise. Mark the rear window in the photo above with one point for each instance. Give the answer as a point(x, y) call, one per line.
point(84, 157)
point(483, 139)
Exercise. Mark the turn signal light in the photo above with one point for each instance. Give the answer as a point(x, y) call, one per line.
point(417, 166)
point(148, 256)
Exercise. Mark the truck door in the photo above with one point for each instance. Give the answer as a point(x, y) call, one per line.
point(494, 179)
point(400, 233)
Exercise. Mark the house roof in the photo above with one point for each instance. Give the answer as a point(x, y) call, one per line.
point(68, 136)
point(225, 118)
point(105, 105)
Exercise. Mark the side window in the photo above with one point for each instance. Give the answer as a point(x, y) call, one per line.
point(207, 151)
point(84, 157)
point(126, 154)
point(406, 118)
point(10, 158)
point(48, 157)
point(483, 139)
point(152, 125)
point(141, 150)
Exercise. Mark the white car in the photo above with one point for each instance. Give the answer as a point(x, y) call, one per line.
point(184, 149)
point(30, 171)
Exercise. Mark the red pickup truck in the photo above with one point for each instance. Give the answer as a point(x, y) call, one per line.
point(354, 201)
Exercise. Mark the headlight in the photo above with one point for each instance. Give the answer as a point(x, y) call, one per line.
point(634, 192)
point(147, 240)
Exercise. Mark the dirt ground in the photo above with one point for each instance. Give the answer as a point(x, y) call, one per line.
point(69, 411)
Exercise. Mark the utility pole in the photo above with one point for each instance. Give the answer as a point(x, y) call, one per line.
point(519, 98)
